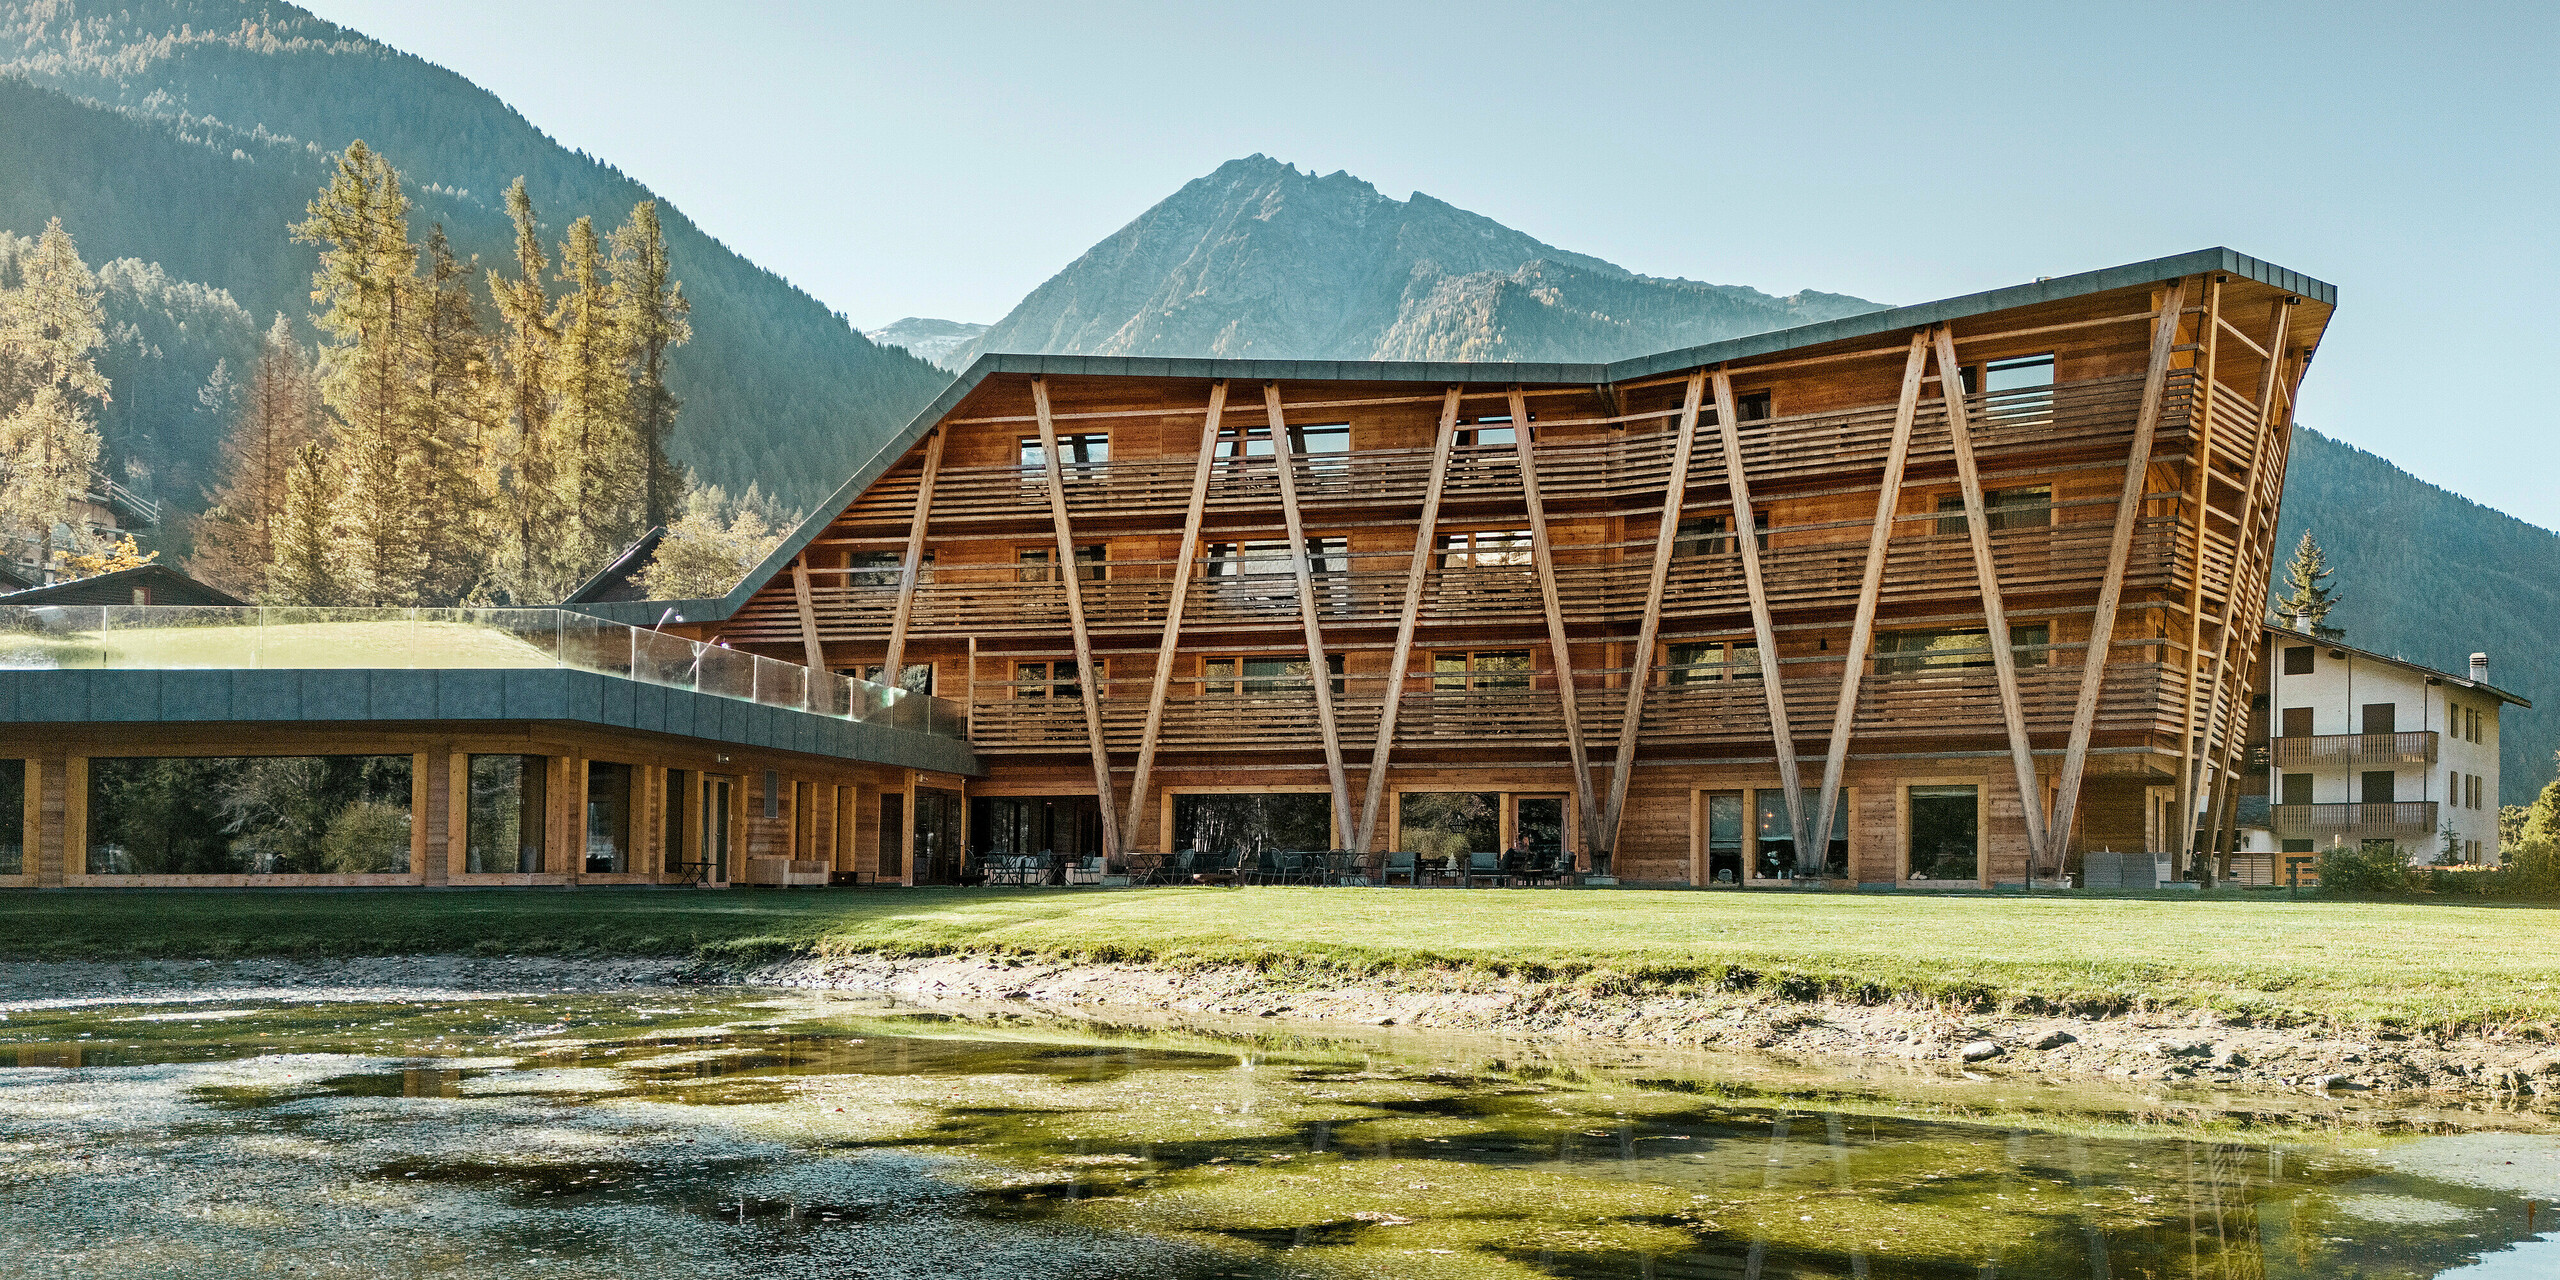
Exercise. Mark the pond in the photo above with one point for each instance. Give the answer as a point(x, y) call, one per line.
point(719, 1132)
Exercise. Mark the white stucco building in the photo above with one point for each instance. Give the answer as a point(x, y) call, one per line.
point(2366, 748)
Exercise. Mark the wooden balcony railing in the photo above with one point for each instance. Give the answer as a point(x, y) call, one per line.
point(1921, 565)
point(2401, 820)
point(2139, 697)
point(2344, 749)
point(1586, 470)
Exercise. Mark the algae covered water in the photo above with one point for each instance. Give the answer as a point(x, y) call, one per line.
point(706, 1133)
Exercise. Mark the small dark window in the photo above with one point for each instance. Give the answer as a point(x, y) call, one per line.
point(2296, 789)
point(2381, 717)
point(2297, 722)
point(2375, 786)
point(772, 794)
point(2297, 660)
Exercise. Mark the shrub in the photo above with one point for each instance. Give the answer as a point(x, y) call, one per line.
point(2532, 870)
point(2353, 869)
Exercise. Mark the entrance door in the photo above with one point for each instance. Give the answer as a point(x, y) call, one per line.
point(1724, 837)
point(937, 836)
point(1538, 824)
point(719, 797)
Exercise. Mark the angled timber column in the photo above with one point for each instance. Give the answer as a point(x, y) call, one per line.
point(1772, 674)
point(1086, 676)
point(1319, 670)
point(2232, 677)
point(809, 648)
point(1995, 613)
point(1835, 756)
point(1543, 553)
point(911, 567)
point(1640, 674)
point(1181, 594)
point(2102, 624)
point(1416, 575)
point(2210, 335)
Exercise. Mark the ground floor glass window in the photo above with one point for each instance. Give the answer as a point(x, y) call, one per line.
point(1777, 841)
point(258, 815)
point(503, 814)
point(13, 817)
point(1724, 837)
point(1438, 824)
point(1248, 825)
point(609, 810)
point(938, 817)
point(1946, 833)
point(1007, 826)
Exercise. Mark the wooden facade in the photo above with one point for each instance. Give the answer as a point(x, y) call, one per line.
point(843, 820)
point(1750, 572)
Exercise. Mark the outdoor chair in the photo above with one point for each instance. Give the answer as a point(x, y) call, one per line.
point(1544, 868)
point(1399, 863)
point(1485, 866)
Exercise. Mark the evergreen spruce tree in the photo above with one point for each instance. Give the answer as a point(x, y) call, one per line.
point(653, 310)
point(2307, 592)
point(52, 322)
point(310, 565)
point(368, 283)
point(453, 408)
point(527, 564)
point(600, 484)
point(277, 414)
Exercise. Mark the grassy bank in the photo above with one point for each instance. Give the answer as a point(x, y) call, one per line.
point(2355, 963)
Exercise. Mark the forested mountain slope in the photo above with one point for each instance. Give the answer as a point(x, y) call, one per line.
point(1260, 259)
point(190, 133)
point(2433, 577)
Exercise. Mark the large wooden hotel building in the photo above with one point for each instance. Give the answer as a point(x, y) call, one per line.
point(1946, 595)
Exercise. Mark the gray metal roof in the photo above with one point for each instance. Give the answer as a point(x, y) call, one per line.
point(377, 695)
point(1892, 320)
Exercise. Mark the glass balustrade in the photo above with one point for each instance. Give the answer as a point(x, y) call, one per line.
point(247, 638)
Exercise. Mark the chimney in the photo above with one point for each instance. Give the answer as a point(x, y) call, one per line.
point(2302, 622)
point(2479, 668)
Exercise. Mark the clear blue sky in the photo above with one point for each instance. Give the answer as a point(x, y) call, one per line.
point(943, 159)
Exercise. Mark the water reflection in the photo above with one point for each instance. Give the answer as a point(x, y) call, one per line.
point(720, 1133)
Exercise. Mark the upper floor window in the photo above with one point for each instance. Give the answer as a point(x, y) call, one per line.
point(1485, 548)
point(1699, 663)
point(1481, 669)
point(2297, 660)
point(2010, 374)
point(1325, 445)
point(1900, 652)
point(1040, 564)
point(914, 677)
point(1706, 535)
point(2002, 509)
point(1493, 430)
point(1073, 450)
point(1228, 675)
point(1249, 559)
point(883, 568)
point(1052, 679)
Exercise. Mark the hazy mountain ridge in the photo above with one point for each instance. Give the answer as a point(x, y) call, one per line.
point(1260, 259)
point(190, 133)
point(940, 341)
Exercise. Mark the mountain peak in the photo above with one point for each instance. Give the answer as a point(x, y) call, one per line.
point(1261, 258)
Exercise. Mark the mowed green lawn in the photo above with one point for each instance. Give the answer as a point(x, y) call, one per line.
point(2353, 963)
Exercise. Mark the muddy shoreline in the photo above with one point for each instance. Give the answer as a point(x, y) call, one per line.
point(2159, 1048)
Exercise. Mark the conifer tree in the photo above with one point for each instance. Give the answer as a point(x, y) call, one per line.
point(527, 515)
point(274, 417)
point(310, 563)
point(368, 284)
point(2307, 593)
point(600, 482)
point(52, 321)
point(453, 410)
point(652, 319)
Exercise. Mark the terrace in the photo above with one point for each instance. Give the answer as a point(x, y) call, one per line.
point(251, 663)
